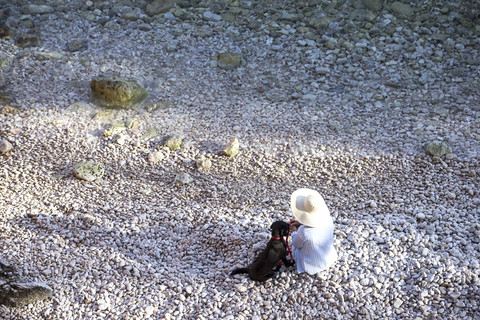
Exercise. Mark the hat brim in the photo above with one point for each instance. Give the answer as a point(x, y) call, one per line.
point(309, 219)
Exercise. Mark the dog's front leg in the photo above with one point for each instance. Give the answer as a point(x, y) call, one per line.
point(287, 262)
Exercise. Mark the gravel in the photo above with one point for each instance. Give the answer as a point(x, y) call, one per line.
point(344, 106)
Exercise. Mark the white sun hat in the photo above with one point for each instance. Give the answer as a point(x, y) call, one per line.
point(308, 207)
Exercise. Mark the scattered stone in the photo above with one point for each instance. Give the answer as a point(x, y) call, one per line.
point(114, 91)
point(77, 45)
point(232, 148)
point(159, 6)
point(209, 16)
point(114, 129)
point(230, 60)
point(2, 80)
point(183, 178)
point(5, 32)
point(38, 9)
point(5, 98)
point(156, 156)
point(158, 105)
point(173, 142)
point(150, 134)
point(5, 146)
point(132, 124)
point(402, 10)
point(374, 5)
point(438, 148)
point(24, 40)
point(88, 171)
point(15, 292)
point(10, 110)
point(204, 163)
point(104, 115)
point(21, 294)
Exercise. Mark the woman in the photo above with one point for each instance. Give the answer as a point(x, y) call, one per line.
point(312, 239)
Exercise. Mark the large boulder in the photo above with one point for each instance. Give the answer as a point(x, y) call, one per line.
point(114, 91)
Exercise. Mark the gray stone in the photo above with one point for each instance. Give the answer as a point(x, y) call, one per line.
point(14, 292)
point(26, 39)
point(114, 129)
point(438, 148)
point(113, 91)
point(374, 5)
point(2, 80)
point(37, 9)
point(5, 146)
point(183, 178)
point(156, 156)
point(230, 60)
point(173, 142)
point(19, 294)
point(159, 6)
point(209, 16)
point(88, 171)
point(77, 45)
point(402, 10)
point(5, 32)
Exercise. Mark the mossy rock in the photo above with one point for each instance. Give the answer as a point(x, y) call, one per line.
point(113, 91)
point(232, 148)
point(438, 148)
point(88, 171)
point(173, 142)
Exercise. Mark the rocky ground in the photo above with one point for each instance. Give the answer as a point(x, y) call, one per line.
point(339, 96)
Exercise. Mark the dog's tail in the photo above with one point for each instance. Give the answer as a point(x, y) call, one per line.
point(239, 270)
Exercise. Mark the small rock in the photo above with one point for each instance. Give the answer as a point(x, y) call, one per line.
point(37, 9)
point(209, 16)
point(232, 148)
point(241, 288)
point(5, 32)
point(455, 294)
point(229, 60)
point(24, 40)
point(372, 204)
point(438, 148)
point(150, 134)
point(402, 10)
point(204, 163)
point(88, 171)
point(159, 6)
point(374, 5)
point(156, 156)
point(173, 142)
point(77, 45)
point(19, 294)
point(2, 80)
point(114, 129)
point(10, 110)
point(397, 303)
point(183, 178)
point(5, 146)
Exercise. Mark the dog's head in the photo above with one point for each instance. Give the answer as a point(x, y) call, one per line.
point(279, 229)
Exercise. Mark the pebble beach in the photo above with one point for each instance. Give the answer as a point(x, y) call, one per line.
point(344, 97)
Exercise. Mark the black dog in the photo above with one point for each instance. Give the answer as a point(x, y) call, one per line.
point(266, 264)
